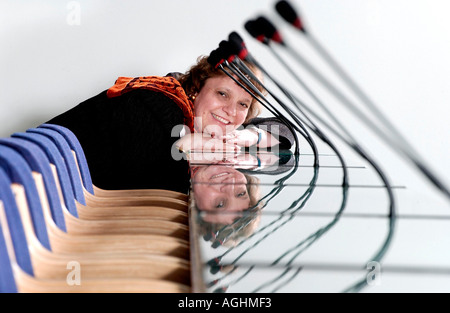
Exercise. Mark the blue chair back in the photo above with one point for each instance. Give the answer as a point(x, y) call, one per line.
point(7, 282)
point(69, 160)
point(19, 172)
point(75, 145)
point(39, 163)
point(55, 158)
point(15, 225)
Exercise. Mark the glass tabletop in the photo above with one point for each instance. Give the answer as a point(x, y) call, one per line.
point(274, 222)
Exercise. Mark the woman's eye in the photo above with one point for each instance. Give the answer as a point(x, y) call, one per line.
point(223, 94)
point(242, 194)
point(220, 205)
point(244, 105)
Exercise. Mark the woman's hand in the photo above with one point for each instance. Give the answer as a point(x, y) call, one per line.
point(202, 142)
point(249, 137)
point(242, 138)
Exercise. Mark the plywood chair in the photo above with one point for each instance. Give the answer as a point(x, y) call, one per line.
point(16, 269)
point(72, 237)
point(94, 213)
point(44, 178)
point(92, 200)
point(7, 281)
point(83, 167)
point(51, 265)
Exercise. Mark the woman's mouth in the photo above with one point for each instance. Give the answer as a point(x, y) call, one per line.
point(220, 119)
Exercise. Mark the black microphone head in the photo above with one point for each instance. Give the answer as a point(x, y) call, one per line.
point(238, 47)
point(236, 38)
point(212, 283)
point(224, 54)
point(221, 289)
point(227, 50)
point(214, 269)
point(288, 13)
point(216, 243)
point(215, 58)
point(255, 31)
point(215, 261)
point(208, 236)
point(268, 29)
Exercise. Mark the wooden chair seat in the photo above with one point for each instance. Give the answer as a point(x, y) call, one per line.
point(83, 211)
point(165, 235)
point(78, 169)
point(37, 259)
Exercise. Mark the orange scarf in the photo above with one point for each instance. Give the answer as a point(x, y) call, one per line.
point(167, 85)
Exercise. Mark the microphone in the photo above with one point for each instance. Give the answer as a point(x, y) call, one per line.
point(261, 27)
point(238, 46)
point(401, 146)
point(221, 289)
point(226, 48)
point(214, 265)
point(264, 31)
point(264, 26)
point(286, 11)
point(220, 57)
point(215, 58)
point(235, 37)
point(224, 53)
point(256, 32)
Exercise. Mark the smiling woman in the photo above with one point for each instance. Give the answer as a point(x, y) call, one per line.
point(222, 108)
point(229, 202)
point(221, 189)
point(127, 130)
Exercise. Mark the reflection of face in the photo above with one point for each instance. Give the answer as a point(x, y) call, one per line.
point(221, 105)
point(221, 189)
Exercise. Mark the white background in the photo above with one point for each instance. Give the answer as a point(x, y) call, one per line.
point(398, 51)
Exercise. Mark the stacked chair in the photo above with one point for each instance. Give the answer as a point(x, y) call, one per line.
point(56, 225)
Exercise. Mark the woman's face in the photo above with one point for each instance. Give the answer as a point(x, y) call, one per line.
point(221, 106)
point(222, 191)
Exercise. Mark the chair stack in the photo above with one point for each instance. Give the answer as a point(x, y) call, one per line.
point(60, 233)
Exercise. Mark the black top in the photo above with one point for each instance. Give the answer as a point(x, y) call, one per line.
point(128, 140)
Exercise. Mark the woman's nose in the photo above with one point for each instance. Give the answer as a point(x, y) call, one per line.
point(230, 109)
point(233, 187)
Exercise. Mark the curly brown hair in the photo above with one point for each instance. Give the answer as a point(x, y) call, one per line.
point(194, 80)
point(243, 226)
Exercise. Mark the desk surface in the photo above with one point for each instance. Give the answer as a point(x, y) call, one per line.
point(275, 223)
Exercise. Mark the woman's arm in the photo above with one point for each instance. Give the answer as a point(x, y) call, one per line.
point(200, 142)
point(263, 133)
point(251, 136)
point(277, 129)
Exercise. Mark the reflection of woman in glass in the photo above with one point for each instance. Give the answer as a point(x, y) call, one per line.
point(227, 201)
point(223, 189)
point(227, 195)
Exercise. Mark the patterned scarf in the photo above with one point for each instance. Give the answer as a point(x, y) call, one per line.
point(167, 85)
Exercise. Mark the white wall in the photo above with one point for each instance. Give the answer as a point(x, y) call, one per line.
point(397, 50)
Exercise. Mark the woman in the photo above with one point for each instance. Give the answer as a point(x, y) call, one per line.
point(227, 196)
point(222, 193)
point(128, 131)
point(227, 201)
